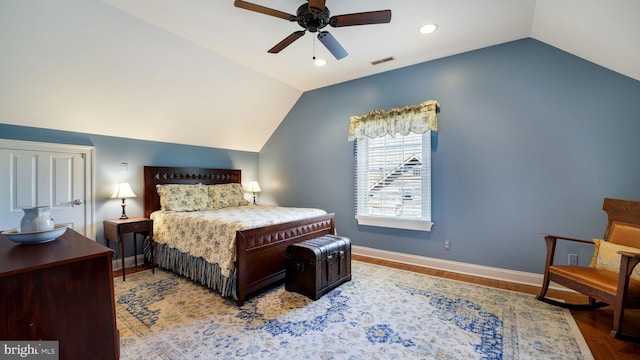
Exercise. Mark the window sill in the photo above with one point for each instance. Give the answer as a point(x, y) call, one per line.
point(419, 225)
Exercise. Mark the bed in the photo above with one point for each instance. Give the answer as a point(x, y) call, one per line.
point(259, 259)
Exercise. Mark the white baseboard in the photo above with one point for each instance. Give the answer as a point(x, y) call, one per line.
point(518, 277)
point(129, 262)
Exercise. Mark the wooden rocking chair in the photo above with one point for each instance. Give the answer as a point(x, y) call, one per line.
point(611, 279)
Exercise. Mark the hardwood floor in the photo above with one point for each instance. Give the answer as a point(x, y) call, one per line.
point(131, 270)
point(594, 324)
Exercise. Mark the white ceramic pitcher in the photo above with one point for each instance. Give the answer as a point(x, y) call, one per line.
point(36, 218)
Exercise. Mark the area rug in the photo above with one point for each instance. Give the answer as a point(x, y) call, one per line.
point(383, 313)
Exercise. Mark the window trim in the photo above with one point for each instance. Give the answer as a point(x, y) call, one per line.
point(402, 223)
point(420, 225)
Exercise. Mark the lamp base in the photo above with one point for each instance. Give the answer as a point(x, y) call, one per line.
point(124, 215)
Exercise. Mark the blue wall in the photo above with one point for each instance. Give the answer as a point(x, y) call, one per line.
point(531, 139)
point(110, 152)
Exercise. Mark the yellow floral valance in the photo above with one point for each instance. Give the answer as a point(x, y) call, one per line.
point(415, 118)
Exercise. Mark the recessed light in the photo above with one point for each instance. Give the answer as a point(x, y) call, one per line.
point(428, 28)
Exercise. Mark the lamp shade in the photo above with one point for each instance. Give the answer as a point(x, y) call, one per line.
point(122, 191)
point(253, 187)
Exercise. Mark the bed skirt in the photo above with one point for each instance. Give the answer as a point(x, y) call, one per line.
point(196, 269)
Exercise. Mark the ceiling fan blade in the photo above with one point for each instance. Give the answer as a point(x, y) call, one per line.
point(286, 42)
point(263, 10)
point(363, 18)
point(316, 6)
point(332, 44)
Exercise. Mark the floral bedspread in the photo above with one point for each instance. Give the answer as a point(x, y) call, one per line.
point(211, 234)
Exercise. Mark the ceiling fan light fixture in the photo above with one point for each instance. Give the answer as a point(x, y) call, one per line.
point(428, 28)
point(319, 62)
point(314, 15)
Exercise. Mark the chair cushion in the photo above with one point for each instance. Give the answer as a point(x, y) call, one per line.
point(606, 257)
point(595, 278)
point(624, 234)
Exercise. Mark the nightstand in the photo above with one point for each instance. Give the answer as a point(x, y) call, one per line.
point(114, 230)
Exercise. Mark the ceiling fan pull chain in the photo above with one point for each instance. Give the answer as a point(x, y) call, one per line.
point(314, 47)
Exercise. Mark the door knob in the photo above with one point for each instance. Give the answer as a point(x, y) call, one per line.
point(75, 202)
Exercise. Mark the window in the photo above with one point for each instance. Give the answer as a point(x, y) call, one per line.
point(393, 165)
point(393, 181)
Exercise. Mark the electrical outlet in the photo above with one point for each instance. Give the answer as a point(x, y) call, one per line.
point(447, 245)
point(124, 167)
point(573, 259)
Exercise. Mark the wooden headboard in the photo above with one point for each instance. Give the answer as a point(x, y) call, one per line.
point(154, 175)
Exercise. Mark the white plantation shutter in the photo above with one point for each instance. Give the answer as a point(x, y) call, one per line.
point(393, 181)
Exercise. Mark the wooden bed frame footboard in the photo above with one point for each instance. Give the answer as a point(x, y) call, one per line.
point(260, 252)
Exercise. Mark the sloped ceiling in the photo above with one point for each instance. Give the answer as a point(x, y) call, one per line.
point(198, 72)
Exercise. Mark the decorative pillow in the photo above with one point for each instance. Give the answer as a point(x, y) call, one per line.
point(183, 197)
point(226, 195)
point(606, 257)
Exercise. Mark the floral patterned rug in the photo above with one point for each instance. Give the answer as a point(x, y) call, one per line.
point(382, 313)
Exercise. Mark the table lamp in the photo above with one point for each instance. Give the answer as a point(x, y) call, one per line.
point(123, 191)
point(254, 188)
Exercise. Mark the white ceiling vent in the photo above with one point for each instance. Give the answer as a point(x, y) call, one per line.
point(378, 62)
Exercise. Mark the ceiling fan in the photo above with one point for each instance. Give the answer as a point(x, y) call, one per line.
point(313, 17)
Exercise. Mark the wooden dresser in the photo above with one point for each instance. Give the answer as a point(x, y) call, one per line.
point(62, 291)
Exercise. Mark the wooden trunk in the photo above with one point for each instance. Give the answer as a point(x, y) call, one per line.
point(315, 267)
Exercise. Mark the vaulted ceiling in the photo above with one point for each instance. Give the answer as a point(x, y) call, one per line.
point(198, 72)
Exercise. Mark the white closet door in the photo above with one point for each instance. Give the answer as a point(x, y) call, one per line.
point(45, 177)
